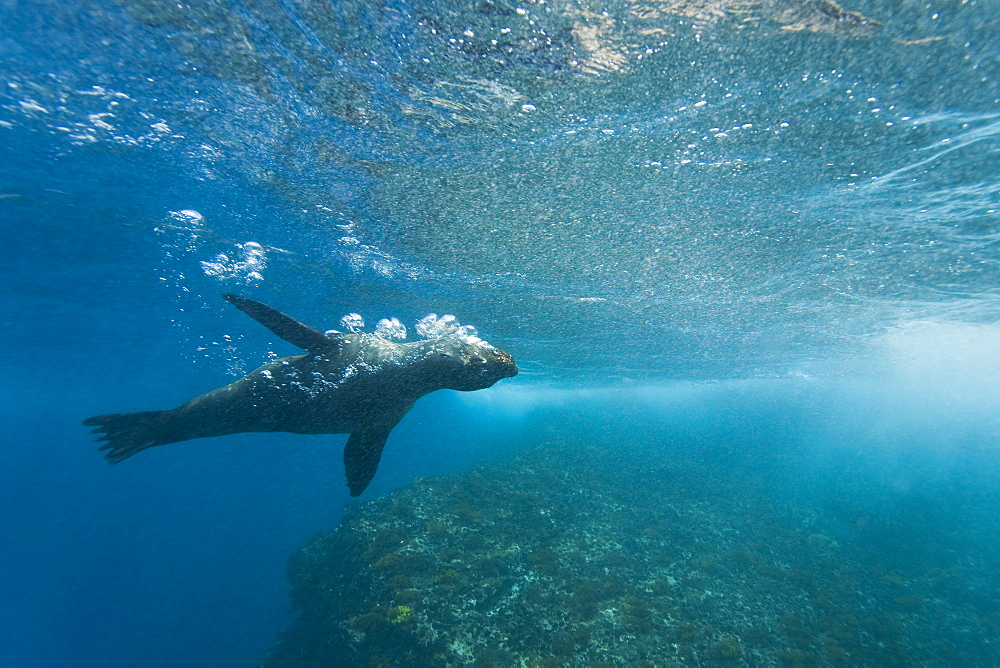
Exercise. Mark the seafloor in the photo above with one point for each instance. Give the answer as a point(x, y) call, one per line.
point(577, 555)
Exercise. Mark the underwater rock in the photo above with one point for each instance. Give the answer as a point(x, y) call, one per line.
point(577, 556)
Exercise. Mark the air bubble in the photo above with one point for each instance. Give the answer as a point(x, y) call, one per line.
point(431, 326)
point(391, 329)
point(353, 322)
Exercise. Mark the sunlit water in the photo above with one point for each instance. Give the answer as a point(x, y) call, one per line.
point(741, 216)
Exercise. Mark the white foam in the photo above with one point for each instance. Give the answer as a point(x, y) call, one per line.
point(187, 216)
point(468, 334)
point(353, 322)
point(244, 265)
point(431, 326)
point(391, 329)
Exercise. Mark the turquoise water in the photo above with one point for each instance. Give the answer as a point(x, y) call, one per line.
point(764, 233)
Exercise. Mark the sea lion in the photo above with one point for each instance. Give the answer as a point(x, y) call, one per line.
point(356, 383)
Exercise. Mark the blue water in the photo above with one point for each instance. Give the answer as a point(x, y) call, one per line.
point(761, 227)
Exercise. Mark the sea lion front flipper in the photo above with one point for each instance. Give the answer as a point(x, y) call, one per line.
point(285, 326)
point(361, 456)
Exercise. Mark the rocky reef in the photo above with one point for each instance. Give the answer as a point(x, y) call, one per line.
point(575, 555)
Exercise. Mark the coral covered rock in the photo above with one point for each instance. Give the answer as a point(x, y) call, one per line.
point(579, 557)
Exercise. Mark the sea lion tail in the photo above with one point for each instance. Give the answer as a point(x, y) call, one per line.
point(129, 433)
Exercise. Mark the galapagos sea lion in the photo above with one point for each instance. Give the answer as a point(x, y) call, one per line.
point(356, 383)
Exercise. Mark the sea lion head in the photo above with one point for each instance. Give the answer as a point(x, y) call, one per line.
point(469, 364)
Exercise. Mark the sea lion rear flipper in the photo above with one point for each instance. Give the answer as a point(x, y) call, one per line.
point(361, 456)
point(285, 326)
point(127, 433)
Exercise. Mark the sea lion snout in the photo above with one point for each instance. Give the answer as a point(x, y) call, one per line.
point(495, 362)
point(505, 361)
point(478, 366)
point(500, 366)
